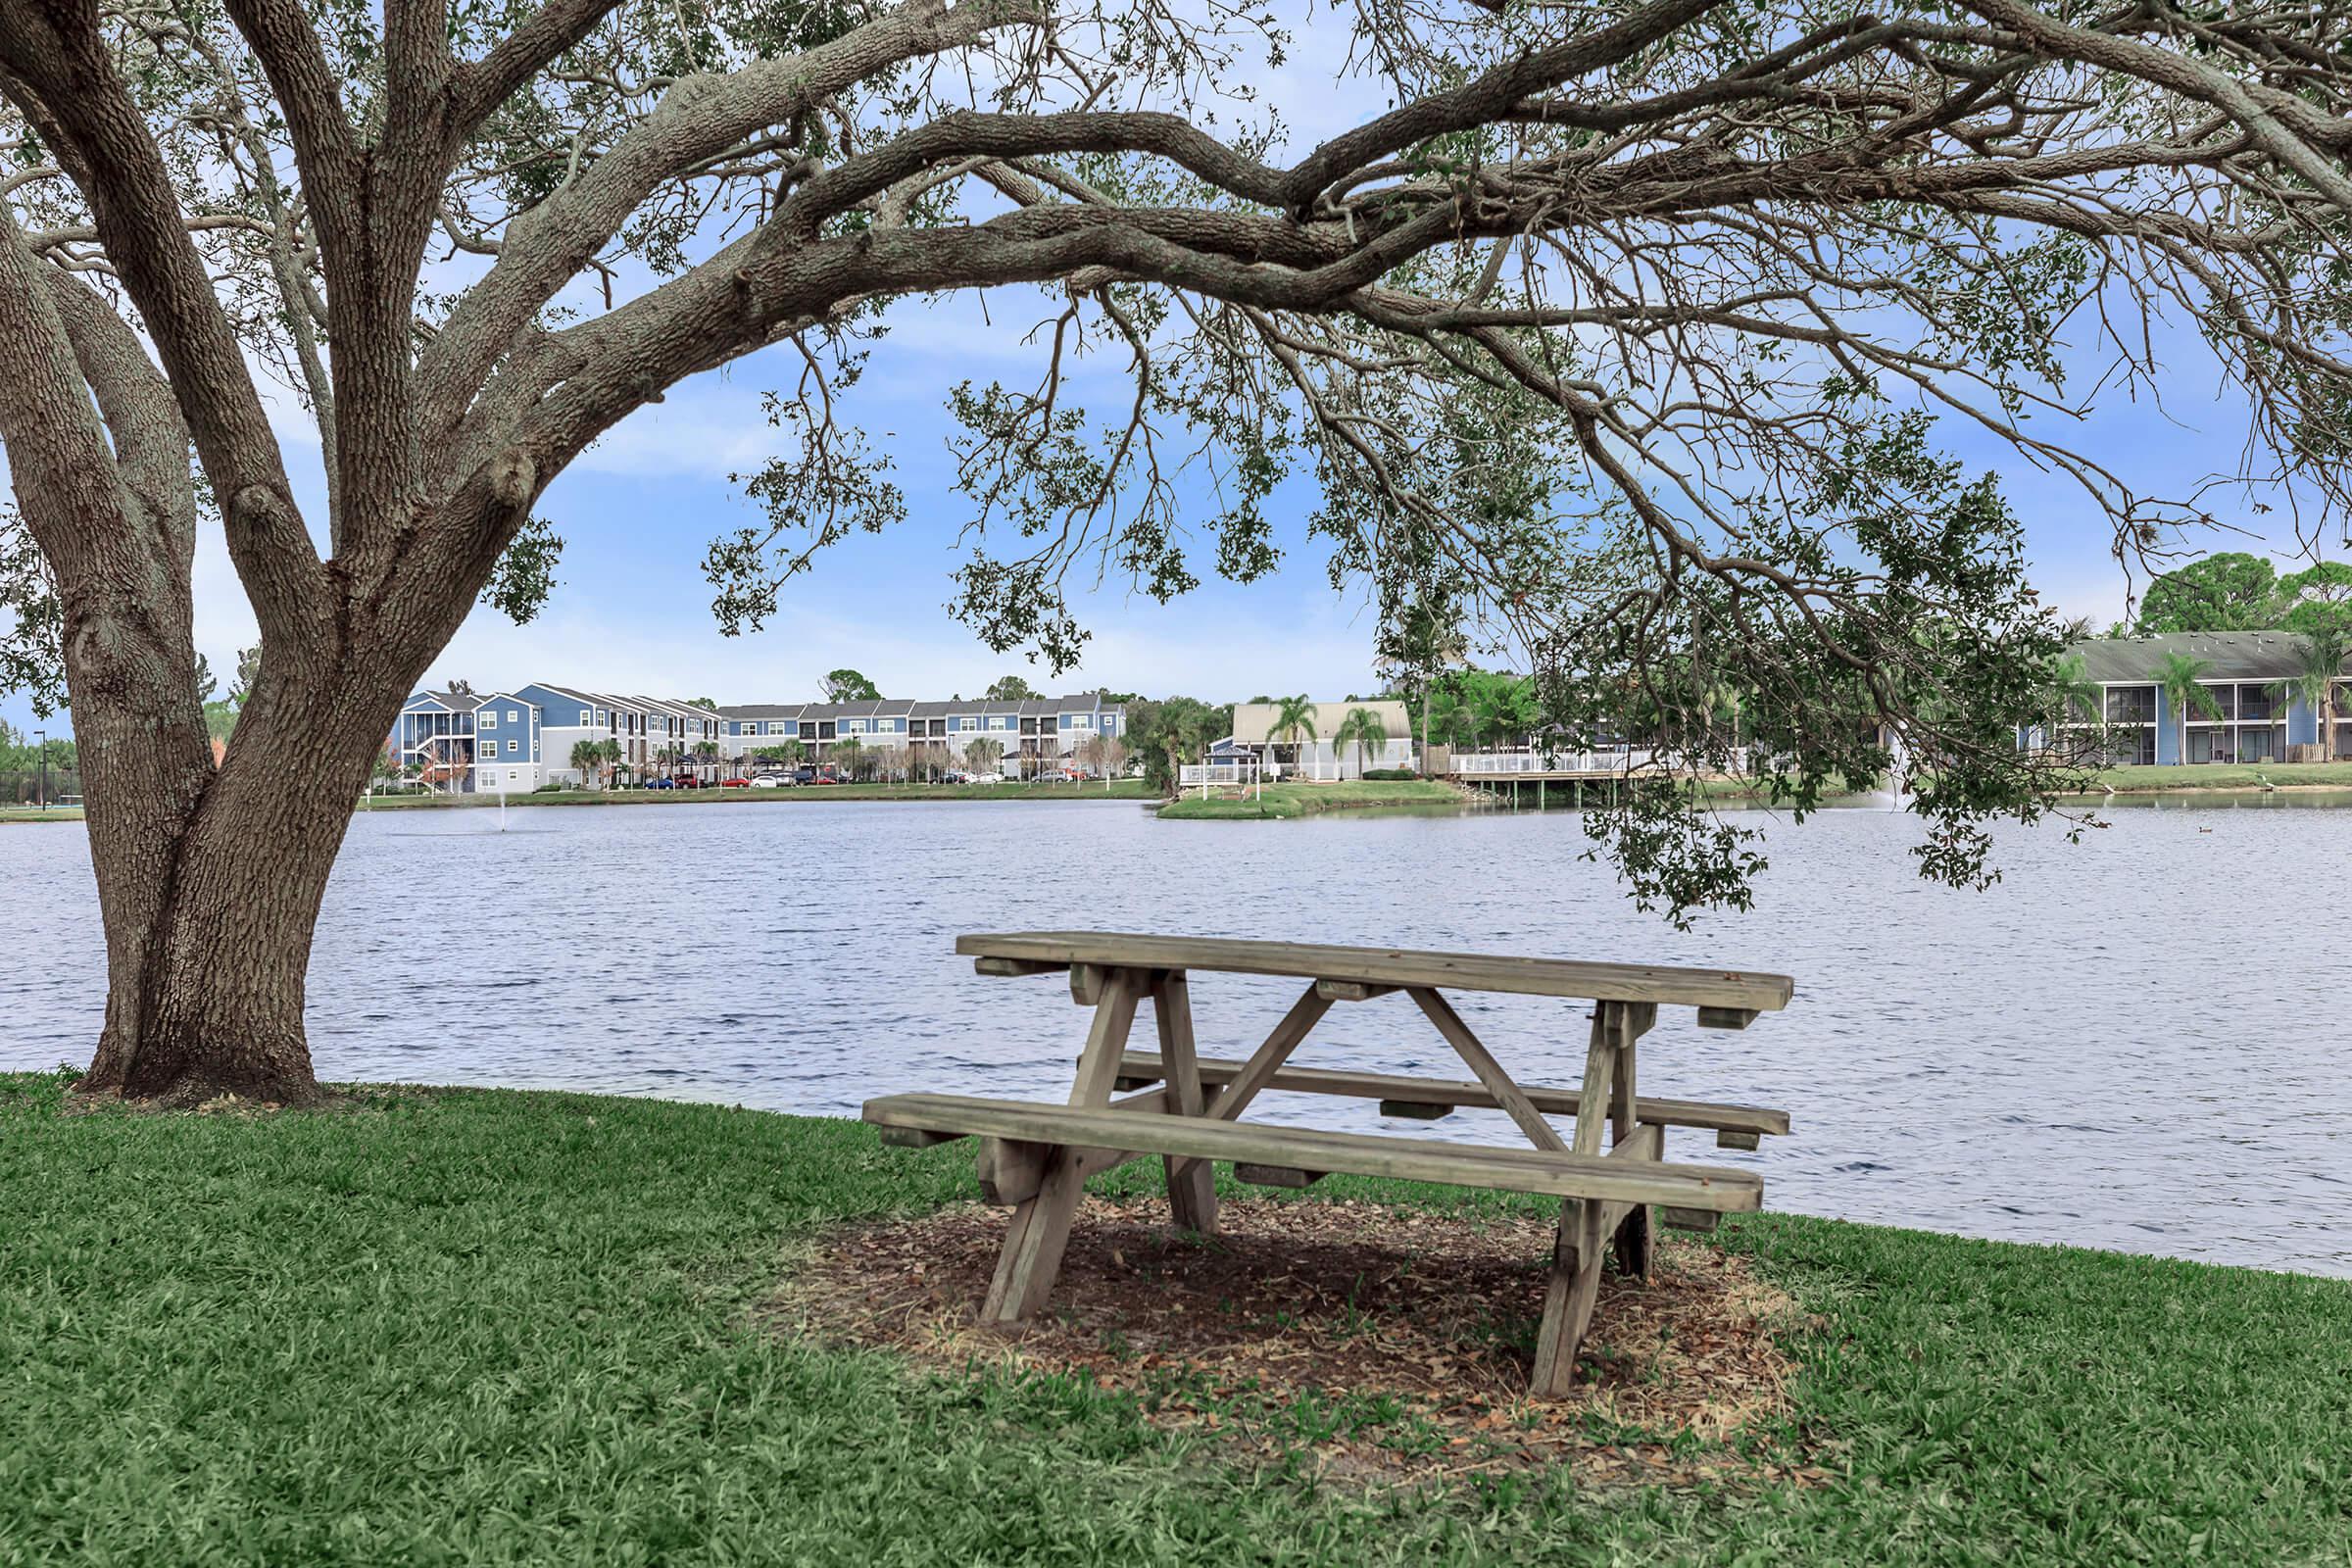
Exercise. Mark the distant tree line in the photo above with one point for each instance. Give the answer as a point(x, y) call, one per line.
point(2234, 591)
point(21, 758)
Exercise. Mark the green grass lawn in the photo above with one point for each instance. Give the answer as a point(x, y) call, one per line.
point(1283, 801)
point(485, 1327)
point(2228, 776)
point(35, 813)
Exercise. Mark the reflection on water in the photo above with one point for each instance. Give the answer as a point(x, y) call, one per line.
point(2127, 1043)
point(2231, 800)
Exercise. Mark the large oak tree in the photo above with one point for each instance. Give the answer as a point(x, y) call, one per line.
point(1619, 334)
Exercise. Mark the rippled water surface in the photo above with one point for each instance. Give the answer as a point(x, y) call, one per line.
point(2131, 1042)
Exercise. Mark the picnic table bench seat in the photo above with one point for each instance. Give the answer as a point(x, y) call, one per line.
point(1620, 1176)
point(1186, 1109)
point(1429, 1099)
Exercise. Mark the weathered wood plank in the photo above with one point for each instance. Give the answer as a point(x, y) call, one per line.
point(1569, 1291)
point(1521, 1170)
point(1015, 969)
point(1085, 983)
point(1489, 1072)
point(1447, 1094)
point(1011, 1172)
point(1040, 1228)
point(1574, 1282)
point(1729, 1138)
point(1726, 1017)
point(1268, 1058)
point(1350, 990)
point(1289, 1177)
point(1394, 967)
point(1688, 1219)
point(1192, 1183)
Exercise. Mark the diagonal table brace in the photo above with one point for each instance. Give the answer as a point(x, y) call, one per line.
point(1041, 1224)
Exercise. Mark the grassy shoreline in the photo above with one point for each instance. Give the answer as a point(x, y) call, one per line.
point(2223, 778)
point(500, 1327)
point(1284, 802)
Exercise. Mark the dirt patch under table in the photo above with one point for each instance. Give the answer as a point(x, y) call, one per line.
point(1370, 1339)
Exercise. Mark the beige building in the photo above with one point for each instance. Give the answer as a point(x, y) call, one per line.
point(1320, 758)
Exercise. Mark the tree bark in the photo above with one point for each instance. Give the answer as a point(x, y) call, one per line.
point(211, 902)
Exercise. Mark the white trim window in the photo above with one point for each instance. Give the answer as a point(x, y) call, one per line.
point(490, 719)
point(514, 747)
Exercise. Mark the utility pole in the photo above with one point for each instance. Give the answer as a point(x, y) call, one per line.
point(41, 739)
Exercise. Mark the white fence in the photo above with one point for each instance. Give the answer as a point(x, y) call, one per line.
point(1195, 775)
point(1620, 761)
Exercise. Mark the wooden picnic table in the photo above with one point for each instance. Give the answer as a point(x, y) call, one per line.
point(1186, 1108)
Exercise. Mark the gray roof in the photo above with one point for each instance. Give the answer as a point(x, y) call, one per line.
point(935, 709)
point(2264, 655)
point(763, 711)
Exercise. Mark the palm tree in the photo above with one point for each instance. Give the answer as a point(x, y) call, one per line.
point(1294, 716)
point(587, 756)
point(981, 756)
point(1361, 728)
point(847, 751)
point(607, 752)
point(2073, 694)
point(2319, 661)
point(2181, 677)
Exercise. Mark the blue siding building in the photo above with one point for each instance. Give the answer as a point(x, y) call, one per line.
point(2249, 714)
point(459, 742)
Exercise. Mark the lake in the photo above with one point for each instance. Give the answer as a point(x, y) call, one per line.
point(2129, 1043)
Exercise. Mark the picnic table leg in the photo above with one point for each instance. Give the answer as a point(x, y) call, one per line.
point(1575, 1280)
point(1636, 1237)
point(1192, 1183)
point(1041, 1224)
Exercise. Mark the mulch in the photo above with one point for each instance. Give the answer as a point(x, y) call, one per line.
point(1352, 1338)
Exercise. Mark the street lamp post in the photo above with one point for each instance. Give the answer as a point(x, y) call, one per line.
point(41, 740)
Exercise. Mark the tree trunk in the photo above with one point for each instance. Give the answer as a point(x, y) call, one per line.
point(211, 900)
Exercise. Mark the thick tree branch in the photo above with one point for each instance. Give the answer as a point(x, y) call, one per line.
point(699, 117)
point(138, 217)
point(498, 76)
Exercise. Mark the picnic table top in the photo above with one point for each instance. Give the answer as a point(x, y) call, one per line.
point(1393, 967)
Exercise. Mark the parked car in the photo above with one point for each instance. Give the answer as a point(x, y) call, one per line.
point(659, 784)
point(773, 781)
point(734, 783)
point(983, 778)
